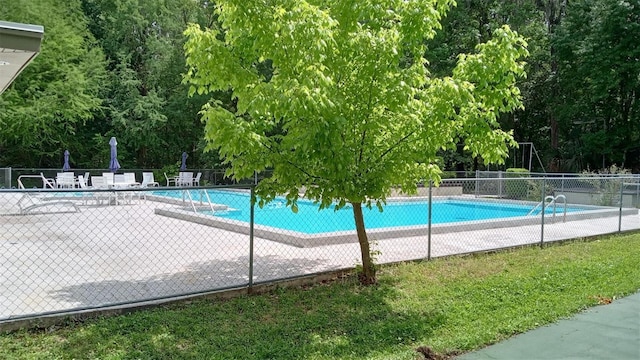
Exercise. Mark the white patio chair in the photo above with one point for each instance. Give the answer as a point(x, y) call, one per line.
point(98, 182)
point(119, 184)
point(171, 180)
point(65, 180)
point(109, 179)
point(82, 182)
point(148, 180)
point(86, 195)
point(185, 178)
point(196, 180)
point(118, 179)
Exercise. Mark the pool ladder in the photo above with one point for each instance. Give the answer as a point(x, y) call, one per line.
point(187, 193)
point(552, 201)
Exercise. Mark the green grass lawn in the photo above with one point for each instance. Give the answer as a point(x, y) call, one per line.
point(452, 305)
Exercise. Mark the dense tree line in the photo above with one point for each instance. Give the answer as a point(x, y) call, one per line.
point(115, 68)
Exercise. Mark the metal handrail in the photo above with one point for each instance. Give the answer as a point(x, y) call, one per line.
point(554, 201)
point(549, 197)
point(193, 205)
point(564, 200)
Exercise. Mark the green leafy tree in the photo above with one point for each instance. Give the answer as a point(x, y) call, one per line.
point(147, 106)
point(350, 110)
point(42, 112)
point(598, 65)
point(473, 22)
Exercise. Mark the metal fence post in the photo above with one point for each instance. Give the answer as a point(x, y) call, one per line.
point(7, 178)
point(477, 182)
point(620, 210)
point(544, 184)
point(251, 223)
point(429, 231)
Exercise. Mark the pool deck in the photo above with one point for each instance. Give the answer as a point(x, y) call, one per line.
point(115, 254)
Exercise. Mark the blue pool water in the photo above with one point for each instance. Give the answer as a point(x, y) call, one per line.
point(310, 220)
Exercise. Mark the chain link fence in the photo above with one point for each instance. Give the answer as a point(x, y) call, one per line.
point(5, 178)
point(66, 250)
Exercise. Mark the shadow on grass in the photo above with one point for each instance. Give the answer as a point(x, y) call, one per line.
point(343, 320)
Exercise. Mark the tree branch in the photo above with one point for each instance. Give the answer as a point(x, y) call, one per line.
point(364, 133)
point(295, 166)
point(398, 143)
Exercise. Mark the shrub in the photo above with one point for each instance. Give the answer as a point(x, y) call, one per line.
point(606, 187)
point(517, 189)
point(448, 175)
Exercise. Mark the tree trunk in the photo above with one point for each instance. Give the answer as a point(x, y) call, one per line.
point(368, 274)
point(554, 11)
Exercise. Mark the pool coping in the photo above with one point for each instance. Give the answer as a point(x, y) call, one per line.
point(304, 240)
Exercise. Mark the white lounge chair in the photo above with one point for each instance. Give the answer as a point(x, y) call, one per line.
point(130, 179)
point(30, 204)
point(47, 182)
point(97, 182)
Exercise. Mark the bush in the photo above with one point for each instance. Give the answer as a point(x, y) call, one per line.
point(534, 189)
point(448, 175)
point(171, 170)
point(606, 188)
point(517, 189)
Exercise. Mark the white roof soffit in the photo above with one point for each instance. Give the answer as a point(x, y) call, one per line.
point(19, 44)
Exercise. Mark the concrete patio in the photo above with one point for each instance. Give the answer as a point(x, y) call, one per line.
point(115, 255)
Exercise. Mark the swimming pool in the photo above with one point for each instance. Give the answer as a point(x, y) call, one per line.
point(310, 220)
point(400, 218)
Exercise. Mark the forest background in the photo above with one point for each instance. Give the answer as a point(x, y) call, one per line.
point(114, 68)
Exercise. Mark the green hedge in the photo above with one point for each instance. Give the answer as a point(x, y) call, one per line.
point(517, 189)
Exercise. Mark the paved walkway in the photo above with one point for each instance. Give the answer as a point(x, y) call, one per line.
point(604, 332)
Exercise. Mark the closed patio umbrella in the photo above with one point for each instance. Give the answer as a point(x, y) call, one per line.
point(66, 166)
point(114, 165)
point(183, 166)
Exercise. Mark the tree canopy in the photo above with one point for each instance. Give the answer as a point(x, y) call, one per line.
point(347, 108)
point(56, 94)
point(599, 72)
point(114, 68)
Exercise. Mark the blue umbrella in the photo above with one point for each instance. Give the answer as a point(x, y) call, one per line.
point(114, 165)
point(66, 166)
point(183, 166)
